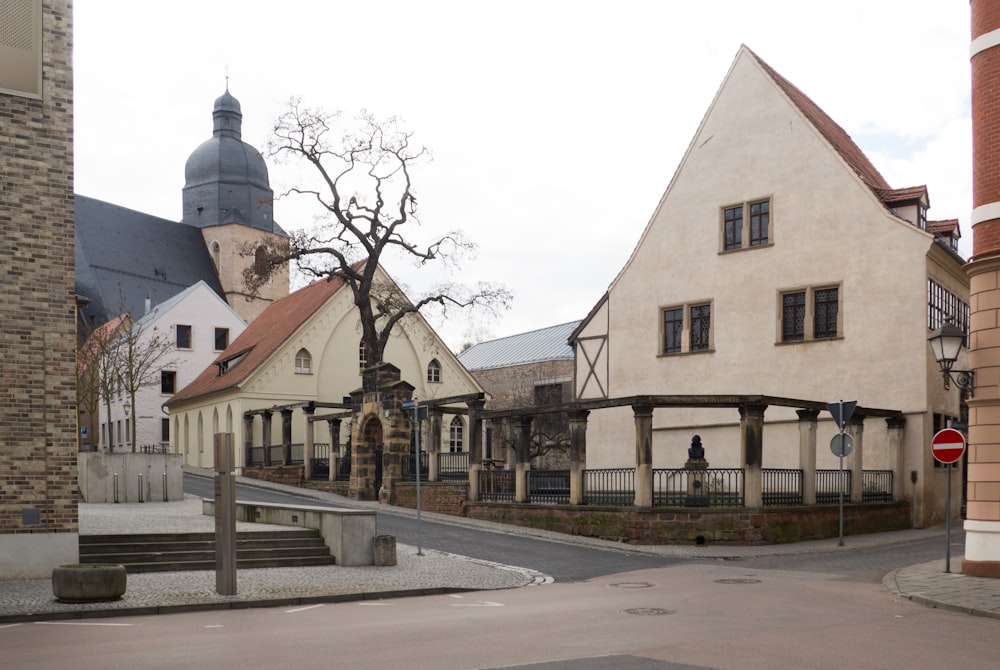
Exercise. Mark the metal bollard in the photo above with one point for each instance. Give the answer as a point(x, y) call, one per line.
point(140, 487)
point(164, 487)
point(115, 477)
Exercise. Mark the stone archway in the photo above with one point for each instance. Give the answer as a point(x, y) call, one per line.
point(366, 460)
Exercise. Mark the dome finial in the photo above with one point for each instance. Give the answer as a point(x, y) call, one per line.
point(227, 77)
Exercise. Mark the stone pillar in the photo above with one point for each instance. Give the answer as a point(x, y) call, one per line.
point(807, 453)
point(308, 447)
point(522, 452)
point(475, 446)
point(433, 442)
point(286, 436)
point(265, 418)
point(334, 427)
point(577, 455)
point(982, 525)
point(247, 438)
point(894, 430)
point(643, 455)
point(855, 460)
point(752, 452)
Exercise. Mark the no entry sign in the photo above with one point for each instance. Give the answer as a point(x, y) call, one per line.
point(948, 445)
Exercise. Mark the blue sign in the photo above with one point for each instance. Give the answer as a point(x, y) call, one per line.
point(409, 404)
point(83, 431)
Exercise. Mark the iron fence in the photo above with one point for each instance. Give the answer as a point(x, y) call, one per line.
point(255, 456)
point(781, 486)
point(711, 487)
point(496, 485)
point(342, 472)
point(830, 483)
point(409, 473)
point(277, 452)
point(298, 454)
point(548, 486)
point(320, 464)
point(609, 486)
point(453, 466)
point(876, 485)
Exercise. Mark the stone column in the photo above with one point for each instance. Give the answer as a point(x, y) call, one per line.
point(308, 448)
point(894, 429)
point(247, 438)
point(286, 436)
point(643, 455)
point(475, 446)
point(577, 455)
point(265, 417)
point(807, 453)
point(433, 442)
point(522, 452)
point(855, 460)
point(334, 427)
point(752, 452)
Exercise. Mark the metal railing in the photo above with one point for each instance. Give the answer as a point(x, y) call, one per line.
point(548, 486)
point(320, 464)
point(496, 485)
point(409, 470)
point(255, 456)
point(609, 486)
point(829, 486)
point(342, 472)
point(781, 486)
point(876, 485)
point(453, 466)
point(711, 487)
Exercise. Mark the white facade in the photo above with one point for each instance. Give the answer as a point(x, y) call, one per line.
point(827, 229)
point(198, 310)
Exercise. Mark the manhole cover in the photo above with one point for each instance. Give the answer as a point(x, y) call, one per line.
point(737, 581)
point(631, 585)
point(647, 611)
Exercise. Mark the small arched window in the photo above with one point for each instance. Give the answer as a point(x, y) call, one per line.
point(216, 250)
point(260, 265)
point(456, 436)
point(434, 372)
point(303, 362)
point(362, 356)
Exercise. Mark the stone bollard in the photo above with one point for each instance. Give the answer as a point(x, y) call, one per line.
point(385, 550)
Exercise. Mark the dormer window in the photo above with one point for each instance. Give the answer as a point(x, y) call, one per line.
point(921, 217)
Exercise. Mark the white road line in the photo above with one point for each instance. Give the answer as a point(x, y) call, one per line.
point(303, 609)
point(11, 625)
point(82, 623)
point(485, 603)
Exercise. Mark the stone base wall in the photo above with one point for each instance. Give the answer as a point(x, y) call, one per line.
point(293, 475)
point(443, 497)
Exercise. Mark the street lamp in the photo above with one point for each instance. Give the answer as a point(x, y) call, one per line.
point(946, 343)
point(127, 407)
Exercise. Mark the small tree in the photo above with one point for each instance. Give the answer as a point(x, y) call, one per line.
point(140, 353)
point(97, 368)
point(367, 202)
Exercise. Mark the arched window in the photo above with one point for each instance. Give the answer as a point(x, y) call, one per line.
point(303, 362)
point(456, 436)
point(434, 372)
point(216, 250)
point(362, 356)
point(260, 262)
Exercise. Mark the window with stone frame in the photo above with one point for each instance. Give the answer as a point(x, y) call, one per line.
point(183, 336)
point(434, 372)
point(746, 225)
point(456, 435)
point(810, 313)
point(168, 381)
point(303, 362)
point(221, 338)
point(686, 328)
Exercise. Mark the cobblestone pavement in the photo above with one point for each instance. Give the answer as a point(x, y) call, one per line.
point(429, 572)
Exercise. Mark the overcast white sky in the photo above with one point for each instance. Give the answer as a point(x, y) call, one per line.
point(550, 121)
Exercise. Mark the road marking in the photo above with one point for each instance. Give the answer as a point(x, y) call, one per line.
point(371, 604)
point(81, 623)
point(215, 625)
point(485, 603)
point(303, 609)
point(11, 625)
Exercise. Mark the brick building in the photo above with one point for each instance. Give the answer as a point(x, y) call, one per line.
point(38, 477)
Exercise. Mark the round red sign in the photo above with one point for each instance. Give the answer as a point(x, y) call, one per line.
point(948, 445)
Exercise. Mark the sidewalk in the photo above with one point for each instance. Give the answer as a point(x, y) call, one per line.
point(429, 573)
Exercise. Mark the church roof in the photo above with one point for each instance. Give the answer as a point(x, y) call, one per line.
point(124, 256)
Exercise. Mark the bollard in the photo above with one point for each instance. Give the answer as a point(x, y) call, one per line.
point(164, 487)
point(115, 483)
point(384, 550)
point(140, 487)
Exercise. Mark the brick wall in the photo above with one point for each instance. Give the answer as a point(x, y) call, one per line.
point(38, 477)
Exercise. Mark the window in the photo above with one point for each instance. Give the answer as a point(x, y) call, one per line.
point(261, 267)
point(216, 251)
point(168, 381)
point(687, 328)
point(942, 305)
point(434, 372)
point(810, 314)
point(164, 430)
point(183, 337)
point(456, 432)
point(362, 356)
point(221, 338)
point(746, 225)
point(303, 362)
point(21, 48)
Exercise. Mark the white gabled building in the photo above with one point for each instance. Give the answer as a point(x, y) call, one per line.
point(779, 262)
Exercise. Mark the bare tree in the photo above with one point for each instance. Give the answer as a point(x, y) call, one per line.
point(96, 373)
point(140, 353)
point(368, 205)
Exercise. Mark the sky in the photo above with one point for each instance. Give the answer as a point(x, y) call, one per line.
point(555, 125)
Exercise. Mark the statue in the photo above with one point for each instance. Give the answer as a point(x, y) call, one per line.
point(696, 452)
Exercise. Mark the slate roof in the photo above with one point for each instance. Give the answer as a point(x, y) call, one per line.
point(546, 344)
point(265, 334)
point(124, 256)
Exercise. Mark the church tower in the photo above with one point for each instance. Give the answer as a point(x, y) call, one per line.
point(227, 194)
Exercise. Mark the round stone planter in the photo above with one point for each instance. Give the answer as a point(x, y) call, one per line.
point(86, 583)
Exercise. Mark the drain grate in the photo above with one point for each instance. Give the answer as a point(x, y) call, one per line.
point(630, 585)
point(737, 581)
point(648, 611)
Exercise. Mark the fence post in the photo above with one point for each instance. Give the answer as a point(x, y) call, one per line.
point(643, 455)
point(895, 429)
point(855, 460)
point(523, 449)
point(577, 455)
point(752, 451)
point(807, 453)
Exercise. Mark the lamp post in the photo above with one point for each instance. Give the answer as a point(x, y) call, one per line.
point(127, 406)
point(946, 343)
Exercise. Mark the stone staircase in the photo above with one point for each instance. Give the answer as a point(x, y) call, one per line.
point(170, 552)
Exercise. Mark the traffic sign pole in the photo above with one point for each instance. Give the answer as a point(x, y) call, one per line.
point(948, 446)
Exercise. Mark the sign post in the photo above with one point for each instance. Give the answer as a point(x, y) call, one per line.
point(414, 405)
point(841, 445)
point(225, 516)
point(948, 446)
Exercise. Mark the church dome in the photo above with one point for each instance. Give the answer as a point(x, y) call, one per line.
point(225, 179)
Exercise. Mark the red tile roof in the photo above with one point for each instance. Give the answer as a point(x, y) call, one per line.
point(263, 337)
point(948, 226)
